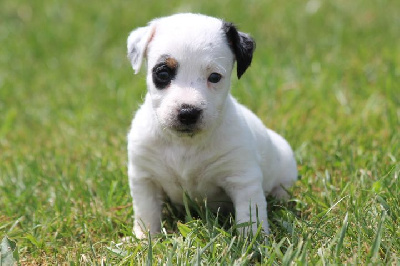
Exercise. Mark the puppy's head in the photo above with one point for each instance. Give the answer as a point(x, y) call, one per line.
point(190, 58)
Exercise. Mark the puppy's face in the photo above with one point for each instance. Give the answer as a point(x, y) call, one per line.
point(190, 60)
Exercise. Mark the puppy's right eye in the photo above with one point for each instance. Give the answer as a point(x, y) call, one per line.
point(162, 76)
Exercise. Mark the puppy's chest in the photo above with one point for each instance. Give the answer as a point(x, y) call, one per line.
point(189, 171)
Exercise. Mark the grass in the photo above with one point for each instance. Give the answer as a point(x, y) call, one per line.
point(325, 75)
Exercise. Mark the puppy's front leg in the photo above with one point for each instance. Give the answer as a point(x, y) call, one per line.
point(147, 203)
point(250, 204)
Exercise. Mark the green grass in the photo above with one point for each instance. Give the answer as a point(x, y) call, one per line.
point(326, 75)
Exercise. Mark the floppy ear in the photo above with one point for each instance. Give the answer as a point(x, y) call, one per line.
point(242, 46)
point(137, 43)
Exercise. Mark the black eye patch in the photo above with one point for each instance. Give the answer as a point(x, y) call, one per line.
point(163, 74)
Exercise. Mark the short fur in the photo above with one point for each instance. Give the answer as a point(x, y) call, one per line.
point(190, 135)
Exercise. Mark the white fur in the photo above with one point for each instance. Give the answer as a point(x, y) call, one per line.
point(229, 157)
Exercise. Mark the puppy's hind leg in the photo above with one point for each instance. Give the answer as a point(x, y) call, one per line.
point(280, 193)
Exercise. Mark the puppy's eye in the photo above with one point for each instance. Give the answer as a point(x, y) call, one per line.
point(214, 78)
point(163, 75)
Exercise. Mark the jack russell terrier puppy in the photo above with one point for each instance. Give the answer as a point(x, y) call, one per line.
point(190, 135)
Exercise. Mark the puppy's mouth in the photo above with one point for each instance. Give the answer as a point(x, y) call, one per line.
point(186, 130)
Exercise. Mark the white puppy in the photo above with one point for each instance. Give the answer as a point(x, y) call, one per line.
point(190, 135)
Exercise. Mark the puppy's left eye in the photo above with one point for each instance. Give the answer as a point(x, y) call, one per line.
point(214, 78)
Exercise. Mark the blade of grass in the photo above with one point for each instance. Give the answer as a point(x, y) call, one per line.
point(374, 253)
point(342, 235)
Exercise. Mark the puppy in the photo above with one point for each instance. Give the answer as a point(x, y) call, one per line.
point(190, 135)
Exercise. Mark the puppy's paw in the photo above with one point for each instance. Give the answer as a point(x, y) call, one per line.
point(139, 233)
point(253, 229)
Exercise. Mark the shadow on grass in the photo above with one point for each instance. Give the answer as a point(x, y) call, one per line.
point(280, 216)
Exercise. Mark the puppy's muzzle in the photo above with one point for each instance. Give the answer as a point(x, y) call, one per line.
point(188, 115)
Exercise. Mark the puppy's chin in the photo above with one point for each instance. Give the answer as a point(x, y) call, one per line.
point(185, 131)
point(178, 129)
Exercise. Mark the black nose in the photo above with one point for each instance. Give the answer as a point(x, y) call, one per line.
point(188, 114)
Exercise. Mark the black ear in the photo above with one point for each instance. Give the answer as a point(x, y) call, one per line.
point(242, 46)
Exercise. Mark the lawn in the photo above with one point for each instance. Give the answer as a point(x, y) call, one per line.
point(326, 75)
